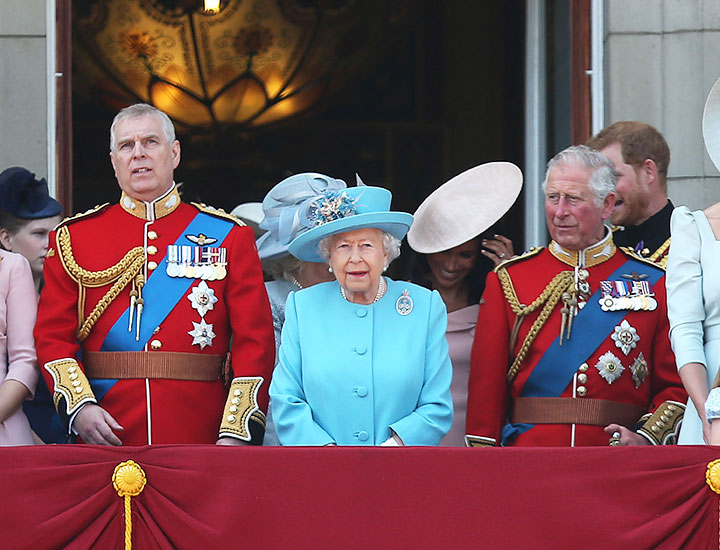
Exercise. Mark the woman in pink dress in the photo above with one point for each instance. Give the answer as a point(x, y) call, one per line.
point(454, 259)
point(27, 215)
point(18, 362)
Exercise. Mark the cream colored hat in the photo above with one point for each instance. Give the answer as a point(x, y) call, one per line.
point(465, 206)
point(711, 124)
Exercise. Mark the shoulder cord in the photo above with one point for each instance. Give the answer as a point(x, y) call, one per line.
point(549, 298)
point(127, 270)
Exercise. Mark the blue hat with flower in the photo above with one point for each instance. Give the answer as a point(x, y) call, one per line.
point(282, 206)
point(26, 197)
point(334, 212)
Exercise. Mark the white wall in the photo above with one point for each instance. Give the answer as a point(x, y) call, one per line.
point(661, 59)
point(23, 88)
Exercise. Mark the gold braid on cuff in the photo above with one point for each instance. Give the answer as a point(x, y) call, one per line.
point(549, 298)
point(71, 385)
point(662, 426)
point(127, 270)
point(479, 441)
point(241, 407)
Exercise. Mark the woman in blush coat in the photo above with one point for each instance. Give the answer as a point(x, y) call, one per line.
point(18, 362)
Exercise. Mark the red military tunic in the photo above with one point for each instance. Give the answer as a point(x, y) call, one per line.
point(156, 410)
point(648, 378)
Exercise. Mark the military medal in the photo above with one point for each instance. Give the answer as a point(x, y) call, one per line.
point(633, 295)
point(639, 370)
point(172, 269)
point(625, 337)
point(609, 367)
point(404, 304)
point(202, 334)
point(202, 298)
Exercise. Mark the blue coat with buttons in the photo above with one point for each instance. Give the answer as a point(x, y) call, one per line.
point(348, 373)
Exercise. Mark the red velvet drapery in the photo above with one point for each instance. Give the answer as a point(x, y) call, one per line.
point(206, 497)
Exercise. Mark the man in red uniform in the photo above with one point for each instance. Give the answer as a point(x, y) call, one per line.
point(144, 300)
point(572, 346)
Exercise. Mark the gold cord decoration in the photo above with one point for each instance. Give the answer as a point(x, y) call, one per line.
point(122, 273)
point(549, 298)
point(129, 481)
point(712, 478)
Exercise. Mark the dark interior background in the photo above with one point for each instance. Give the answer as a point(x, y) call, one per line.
point(446, 96)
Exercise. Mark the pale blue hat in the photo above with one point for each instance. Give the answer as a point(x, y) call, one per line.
point(281, 207)
point(334, 212)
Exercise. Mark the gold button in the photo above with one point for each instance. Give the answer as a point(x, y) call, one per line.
point(233, 409)
point(78, 389)
point(582, 378)
point(582, 391)
point(72, 369)
point(660, 424)
point(152, 265)
point(671, 407)
point(655, 429)
point(152, 235)
point(664, 418)
point(76, 383)
point(73, 376)
point(157, 329)
point(237, 393)
point(231, 418)
point(235, 401)
point(152, 249)
point(583, 367)
point(156, 344)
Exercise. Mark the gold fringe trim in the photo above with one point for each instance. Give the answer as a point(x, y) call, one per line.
point(122, 273)
point(549, 298)
point(660, 256)
point(129, 480)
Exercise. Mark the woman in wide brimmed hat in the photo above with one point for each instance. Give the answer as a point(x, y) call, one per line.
point(278, 226)
point(693, 298)
point(363, 359)
point(446, 236)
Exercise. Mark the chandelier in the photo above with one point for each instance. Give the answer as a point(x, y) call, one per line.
point(209, 63)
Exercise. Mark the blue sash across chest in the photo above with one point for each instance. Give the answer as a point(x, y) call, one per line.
point(591, 327)
point(161, 294)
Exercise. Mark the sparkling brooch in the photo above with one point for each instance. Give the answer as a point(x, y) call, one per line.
point(404, 304)
point(330, 206)
point(609, 367)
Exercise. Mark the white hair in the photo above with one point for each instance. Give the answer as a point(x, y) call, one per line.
point(602, 171)
point(140, 110)
point(391, 246)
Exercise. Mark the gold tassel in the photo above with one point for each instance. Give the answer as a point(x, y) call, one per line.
point(712, 478)
point(129, 481)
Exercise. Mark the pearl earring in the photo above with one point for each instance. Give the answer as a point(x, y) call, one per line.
point(330, 270)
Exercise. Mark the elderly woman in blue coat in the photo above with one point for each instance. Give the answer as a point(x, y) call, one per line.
point(363, 359)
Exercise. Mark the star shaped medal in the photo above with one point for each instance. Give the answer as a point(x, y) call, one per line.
point(202, 334)
point(202, 298)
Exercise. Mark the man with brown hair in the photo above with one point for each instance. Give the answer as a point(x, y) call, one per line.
point(642, 212)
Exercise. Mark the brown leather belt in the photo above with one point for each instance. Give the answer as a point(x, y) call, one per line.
point(171, 365)
point(564, 410)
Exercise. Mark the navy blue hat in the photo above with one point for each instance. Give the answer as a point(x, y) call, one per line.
point(26, 197)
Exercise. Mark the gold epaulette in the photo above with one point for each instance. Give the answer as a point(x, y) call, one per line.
point(534, 251)
point(92, 212)
point(217, 212)
point(663, 426)
point(628, 251)
point(660, 256)
point(241, 407)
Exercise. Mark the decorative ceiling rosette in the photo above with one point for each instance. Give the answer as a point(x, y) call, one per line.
point(251, 63)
